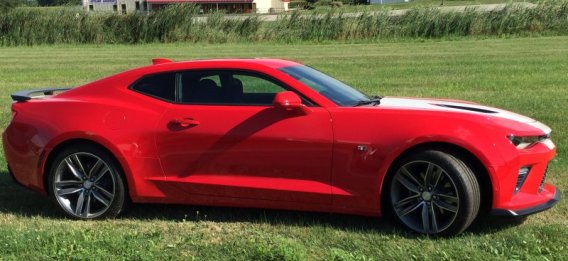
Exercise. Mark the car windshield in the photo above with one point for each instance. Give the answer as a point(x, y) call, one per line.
point(340, 93)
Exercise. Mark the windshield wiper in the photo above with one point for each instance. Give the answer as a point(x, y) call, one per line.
point(374, 100)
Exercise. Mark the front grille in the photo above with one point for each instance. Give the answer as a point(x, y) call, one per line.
point(543, 180)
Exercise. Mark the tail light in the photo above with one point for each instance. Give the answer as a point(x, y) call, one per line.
point(14, 113)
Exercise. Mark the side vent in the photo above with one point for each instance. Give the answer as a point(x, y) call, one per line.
point(157, 61)
point(542, 182)
point(522, 176)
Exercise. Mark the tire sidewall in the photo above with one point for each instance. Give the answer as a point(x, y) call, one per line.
point(119, 200)
point(461, 176)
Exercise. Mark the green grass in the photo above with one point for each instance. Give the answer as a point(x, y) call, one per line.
point(36, 26)
point(324, 6)
point(436, 3)
point(526, 75)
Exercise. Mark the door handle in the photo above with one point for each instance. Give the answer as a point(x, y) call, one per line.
point(186, 122)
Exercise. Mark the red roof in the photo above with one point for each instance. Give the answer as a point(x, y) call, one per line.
point(224, 63)
point(273, 63)
point(197, 1)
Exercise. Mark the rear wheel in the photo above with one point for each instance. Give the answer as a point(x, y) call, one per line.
point(86, 183)
point(433, 192)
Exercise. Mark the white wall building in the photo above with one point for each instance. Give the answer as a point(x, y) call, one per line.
point(206, 6)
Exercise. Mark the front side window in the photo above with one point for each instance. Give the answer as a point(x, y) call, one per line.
point(252, 84)
point(161, 86)
point(227, 88)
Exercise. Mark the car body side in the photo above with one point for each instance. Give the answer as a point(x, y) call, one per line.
point(366, 142)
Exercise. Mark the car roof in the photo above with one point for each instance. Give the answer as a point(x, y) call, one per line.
point(269, 62)
point(164, 64)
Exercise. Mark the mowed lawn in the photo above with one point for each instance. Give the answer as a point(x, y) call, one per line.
point(525, 75)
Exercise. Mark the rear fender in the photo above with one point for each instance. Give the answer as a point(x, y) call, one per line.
point(89, 137)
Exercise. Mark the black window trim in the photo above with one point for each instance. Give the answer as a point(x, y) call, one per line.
point(178, 86)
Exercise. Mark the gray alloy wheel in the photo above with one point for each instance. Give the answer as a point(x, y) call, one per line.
point(86, 184)
point(434, 193)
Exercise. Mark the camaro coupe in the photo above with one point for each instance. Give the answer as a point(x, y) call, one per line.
point(270, 133)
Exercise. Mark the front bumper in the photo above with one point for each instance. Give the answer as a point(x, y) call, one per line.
point(531, 210)
point(517, 196)
point(14, 177)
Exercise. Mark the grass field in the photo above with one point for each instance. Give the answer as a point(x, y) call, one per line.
point(526, 75)
point(323, 6)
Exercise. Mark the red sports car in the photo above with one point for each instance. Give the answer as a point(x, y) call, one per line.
point(270, 133)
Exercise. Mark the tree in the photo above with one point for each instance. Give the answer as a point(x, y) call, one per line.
point(6, 5)
point(310, 4)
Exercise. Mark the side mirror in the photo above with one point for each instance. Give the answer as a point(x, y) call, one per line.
point(289, 101)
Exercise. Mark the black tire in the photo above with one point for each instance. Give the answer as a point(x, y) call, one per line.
point(445, 202)
point(94, 190)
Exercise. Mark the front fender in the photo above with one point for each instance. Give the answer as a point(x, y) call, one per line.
point(387, 134)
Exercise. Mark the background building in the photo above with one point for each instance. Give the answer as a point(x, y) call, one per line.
point(205, 6)
point(382, 2)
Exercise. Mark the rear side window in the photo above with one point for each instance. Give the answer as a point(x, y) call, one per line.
point(162, 86)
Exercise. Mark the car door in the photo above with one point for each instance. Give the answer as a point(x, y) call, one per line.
point(224, 138)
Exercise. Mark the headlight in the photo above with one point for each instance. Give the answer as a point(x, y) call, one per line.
point(523, 142)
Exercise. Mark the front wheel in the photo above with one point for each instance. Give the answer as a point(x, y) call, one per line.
point(86, 183)
point(433, 192)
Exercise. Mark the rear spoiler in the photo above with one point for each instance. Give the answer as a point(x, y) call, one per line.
point(23, 96)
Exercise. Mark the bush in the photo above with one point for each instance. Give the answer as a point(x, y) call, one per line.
point(6, 5)
point(32, 26)
point(336, 4)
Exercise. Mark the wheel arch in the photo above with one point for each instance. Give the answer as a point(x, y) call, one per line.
point(63, 144)
point(480, 170)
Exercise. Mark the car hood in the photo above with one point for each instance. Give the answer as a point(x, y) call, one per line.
point(456, 106)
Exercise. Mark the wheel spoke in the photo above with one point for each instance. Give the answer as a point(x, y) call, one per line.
point(101, 173)
point(428, 174)
point(67, 183)
point(100, 198)
point(95, 168)
point(425, 218)
point(88, 207)
point(407, 180)
point(437, 176)
point(79, 164)
point(409, 209)
point(434, 221)
point(72, 168)
point(68, 191)
point(403, 202)
point(407, 184)
point(80, 204)
point(447, 197)
point(446, 206)
point(104, 191)
point(409, 175)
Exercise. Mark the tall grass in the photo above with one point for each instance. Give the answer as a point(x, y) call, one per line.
point(33, 26)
